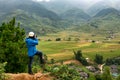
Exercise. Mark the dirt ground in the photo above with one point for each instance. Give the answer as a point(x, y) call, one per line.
point(37, 76)
point(25, 76)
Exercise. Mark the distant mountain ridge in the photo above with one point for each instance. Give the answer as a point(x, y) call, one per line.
point(34, 16)
point(30, 7)
point(94, 9)
point(75, 14)
point(105, 20)
point(107, 11)
point(31, 15)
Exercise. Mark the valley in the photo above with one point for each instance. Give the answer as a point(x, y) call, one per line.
point(77, 37)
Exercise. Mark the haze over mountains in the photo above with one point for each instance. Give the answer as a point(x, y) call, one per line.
point(46, 16)
point(86, 5)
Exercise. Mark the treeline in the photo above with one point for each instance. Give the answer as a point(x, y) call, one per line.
point(103, 72)
point(115, 61)
point(98, 59)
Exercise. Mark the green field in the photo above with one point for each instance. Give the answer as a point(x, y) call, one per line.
point(63, 50)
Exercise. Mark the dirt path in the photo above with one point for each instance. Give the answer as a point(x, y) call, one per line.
point(72, 61)
point(69, 62)
point(25, 76)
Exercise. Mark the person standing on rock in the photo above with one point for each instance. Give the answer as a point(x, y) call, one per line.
point(31, 43)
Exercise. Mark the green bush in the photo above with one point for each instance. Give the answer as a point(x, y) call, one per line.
point(98, 59)
point(52, 61)
point(118, 78)
point(2, 70)
point(36, 68)
point(63, 72)
point(106, 74)
point(58, 39)
point(111, 61)
point(79, 57)
point(13, 48)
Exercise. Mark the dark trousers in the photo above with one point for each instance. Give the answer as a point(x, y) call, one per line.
point(40, 55)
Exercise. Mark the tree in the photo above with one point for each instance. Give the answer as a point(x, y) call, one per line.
point(114, 60)
point(92, 77)
point(79, 57)
point(78, 54)
point(98, 77)
point(12, 47)
point(98, 59)
point(58, 39)
point(106, 75)
point(118, 78)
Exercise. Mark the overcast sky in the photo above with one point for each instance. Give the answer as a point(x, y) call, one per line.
point(87, 3)
point(81, 1)
point(70, 0)
point(84, 3)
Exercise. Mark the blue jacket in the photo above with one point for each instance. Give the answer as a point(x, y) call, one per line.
point(31, 45)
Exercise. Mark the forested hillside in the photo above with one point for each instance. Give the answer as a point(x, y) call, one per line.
point(31, 15)
point(37, 17)
point(105, 20)
point(75, 15)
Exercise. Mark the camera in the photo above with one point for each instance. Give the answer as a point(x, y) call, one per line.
point(35, 36)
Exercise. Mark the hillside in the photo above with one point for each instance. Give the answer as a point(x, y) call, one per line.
point(61, 6)
point(105, 20)
point(30, 22)
point(58, 6)
point(45, 18)
point(28, 6)
point(94, 9)
point(75, 15)
point(31, 15)
point(108, 12)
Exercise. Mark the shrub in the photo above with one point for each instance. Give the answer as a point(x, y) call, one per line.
point(98, 59)
point(36, 68)
point(13, 48)
point(52, 61)
point(58, 39)
point(98, 77)
point(79, 57)
point(2, 70)
point(118, 78)
point(106, 74)
point(69, 39)
point(63, 72)
point(49, 40)
point(111, 61)
point(77, 39)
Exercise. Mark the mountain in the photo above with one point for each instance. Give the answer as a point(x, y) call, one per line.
point(58, 6)
point(61, 6)
point(75, 15)
point(31, 15)
point(107, 12)
point(94, 9)
point(105, 20)
point(49, 17)
point(28, 6)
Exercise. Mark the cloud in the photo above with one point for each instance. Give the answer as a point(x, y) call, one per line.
point(85, 4)
point(41, 0)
